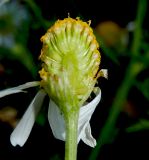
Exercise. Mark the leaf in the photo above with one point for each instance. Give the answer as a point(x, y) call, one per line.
point(144, 87)
point(143, 124)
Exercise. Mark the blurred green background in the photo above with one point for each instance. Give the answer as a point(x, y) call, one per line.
point(121, 121)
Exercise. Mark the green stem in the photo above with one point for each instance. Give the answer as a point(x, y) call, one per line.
point(141, 11)
point(132, 71)
point(71, 136)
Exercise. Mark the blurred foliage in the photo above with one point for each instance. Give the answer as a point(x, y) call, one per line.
point(14, 30)
point(138, 63)
point(126, 48)
point(55, 157)
point(143, 124)
point(144, 87)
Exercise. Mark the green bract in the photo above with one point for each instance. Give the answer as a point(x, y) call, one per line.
point(71, 61)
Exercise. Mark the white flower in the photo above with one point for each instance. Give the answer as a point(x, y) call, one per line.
point(56, 120)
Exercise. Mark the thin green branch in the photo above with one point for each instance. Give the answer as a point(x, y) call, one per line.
point(142, 7)
point(132, 71)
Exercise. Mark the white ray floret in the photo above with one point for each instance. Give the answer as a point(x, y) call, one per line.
point(23, 129)
point(19, 88)
point(57, 122)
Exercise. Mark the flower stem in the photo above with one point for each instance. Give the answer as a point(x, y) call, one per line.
point(71, 136)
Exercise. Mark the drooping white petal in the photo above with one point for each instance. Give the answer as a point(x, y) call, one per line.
point(84, 118)
point(23, 129)
point(18, 89)
point(87, 137)
point(57, 123)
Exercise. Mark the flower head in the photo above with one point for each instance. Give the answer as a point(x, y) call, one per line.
point(71, 61)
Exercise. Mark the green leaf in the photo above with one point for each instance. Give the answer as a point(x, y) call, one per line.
point(144, 87)
point(143, 124)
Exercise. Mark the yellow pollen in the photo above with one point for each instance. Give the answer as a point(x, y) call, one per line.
point(43, 74)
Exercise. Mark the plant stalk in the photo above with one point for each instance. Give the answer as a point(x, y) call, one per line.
point(71, 136)
point(134, 68)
